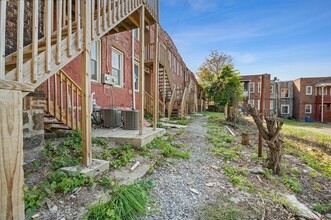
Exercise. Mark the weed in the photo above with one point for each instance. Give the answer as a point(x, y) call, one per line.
point(322, 208)
point(170, 138)
point(99, 141)
point(317, 186)
point(292, 183)
point(178, 145)
point(122, 155)
point(36, 164)
point(125, 202)
point(106, 183)
point(180, 131)
point(236, 177)
point(313, 174)
point(296, 171)
point(168, 150)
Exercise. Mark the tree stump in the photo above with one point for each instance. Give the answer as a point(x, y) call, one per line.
point(245, 138)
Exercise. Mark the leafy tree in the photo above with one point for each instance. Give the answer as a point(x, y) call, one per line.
point(212, 66)
point(226, 89)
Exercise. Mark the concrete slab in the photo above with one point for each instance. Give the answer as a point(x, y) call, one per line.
point(132, 137)
point(169, 125)
point(125, 176)
point(97, 167)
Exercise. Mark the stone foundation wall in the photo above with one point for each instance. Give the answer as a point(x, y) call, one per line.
point(33, 125)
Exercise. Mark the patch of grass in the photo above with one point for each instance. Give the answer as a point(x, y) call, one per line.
point(316, 159)
point(121, 156)
point(100, 141)
point(236, 177)
point(180, 131)
point(313, 174)
point(125, 202)
point(168, 150)
point(295, 171)
point(322, 208)
point(57, 181)
point(292, 183)
point(178, 145)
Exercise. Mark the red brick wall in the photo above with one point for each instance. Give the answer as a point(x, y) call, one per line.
point(301, 99)
point(11, 24)
point(256, 95)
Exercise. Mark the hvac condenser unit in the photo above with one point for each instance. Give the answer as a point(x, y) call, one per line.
point(111, 117)
point(130, 119)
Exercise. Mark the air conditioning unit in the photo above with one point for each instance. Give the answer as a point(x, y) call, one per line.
point(106, 78)
point(130, 119)
point(111, 117)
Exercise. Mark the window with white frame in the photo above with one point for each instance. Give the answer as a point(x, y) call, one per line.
point(285, 93)
point(258, 104)
point(285, 109)
point(271, 89)
point(259, 87)
point(117, 66)
point(136, 33)
point(325, 90)
point(136, 76)
point(271, 104)
point(309, 90)
point(169, 58)
point(308, 108)
point(252, 102)
point(95, 61)
point(251, 87)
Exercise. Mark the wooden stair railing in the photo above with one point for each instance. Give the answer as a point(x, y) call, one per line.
point(171, 103)
point(148, 102)
point(164, 62)
point(64, 103)
point(31, 65)
point(185, 97)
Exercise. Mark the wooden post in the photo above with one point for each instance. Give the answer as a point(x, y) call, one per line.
point(11, 154)
point(34, 41)
point(48, 34)
point(20, 43)
point(142, 69)
point(156, 76)
point(3, 5)
point(59, 31)
point(261, 114)
point(86, 85)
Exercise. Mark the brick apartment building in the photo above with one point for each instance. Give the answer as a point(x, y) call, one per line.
point(312, 96)
point(252, 92)
point(301, 99)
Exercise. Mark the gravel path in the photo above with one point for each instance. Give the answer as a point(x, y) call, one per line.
point(181, 184)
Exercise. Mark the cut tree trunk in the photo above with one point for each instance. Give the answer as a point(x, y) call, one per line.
point(245, 138)
point(271, 134)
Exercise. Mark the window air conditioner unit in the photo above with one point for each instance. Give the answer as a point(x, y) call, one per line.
point(108, 79)
point(111, 117)
point(130, 119)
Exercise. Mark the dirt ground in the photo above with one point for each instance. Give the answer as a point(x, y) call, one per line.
point(209, 185)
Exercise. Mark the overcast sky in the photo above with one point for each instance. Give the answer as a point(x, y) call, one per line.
point(286, 38)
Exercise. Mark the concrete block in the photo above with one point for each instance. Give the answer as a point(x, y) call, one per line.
point(97, 167)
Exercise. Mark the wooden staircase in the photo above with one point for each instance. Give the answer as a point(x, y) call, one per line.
point(66, 35)
point(33, 64)
point(166, 83)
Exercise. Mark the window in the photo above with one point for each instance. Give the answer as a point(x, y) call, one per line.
point(285, 93)
point(169, 58)
point(259, 87)
point(258, 104)
point(325, 90)
point(117, 66)
point(271, 89)
point(308, 108)
point(309, 90)
point(252, 102)
point(136, 76)
point(271, 104)
point(251, 87)
point(285, 109)
point(95, 61)
point(136, 33)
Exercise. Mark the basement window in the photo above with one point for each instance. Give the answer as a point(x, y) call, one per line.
point(285, 109)
point(308, 108)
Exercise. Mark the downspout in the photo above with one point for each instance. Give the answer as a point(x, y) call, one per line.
point(132, 63)
point(322, 107)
